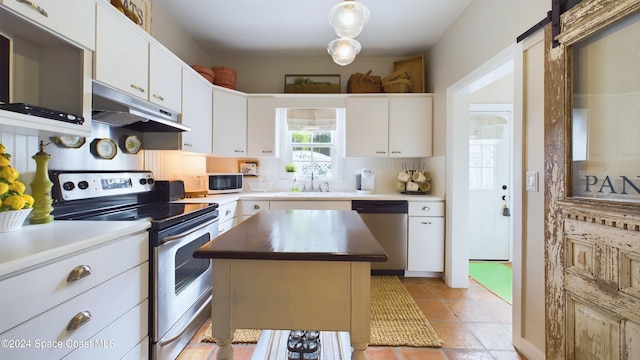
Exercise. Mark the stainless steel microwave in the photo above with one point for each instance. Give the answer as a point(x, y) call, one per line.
point(222, 183)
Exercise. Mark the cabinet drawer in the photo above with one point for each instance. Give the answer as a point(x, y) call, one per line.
point(426, 208)
point(106, 303)
point(227, 211)
point(119, 338)
point(225, 226)
point(36, 291)
point(251, 207)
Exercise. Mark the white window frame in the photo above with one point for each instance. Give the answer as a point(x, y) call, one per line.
point(337, 151)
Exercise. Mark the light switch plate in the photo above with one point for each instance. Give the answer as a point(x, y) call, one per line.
point(532, 181)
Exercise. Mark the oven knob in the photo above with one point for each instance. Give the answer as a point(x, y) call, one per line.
point(143, 181)
point(68, 186)
point(83, 185)
point(150, 181)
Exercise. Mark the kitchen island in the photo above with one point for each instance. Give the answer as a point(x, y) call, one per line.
point(293, 269)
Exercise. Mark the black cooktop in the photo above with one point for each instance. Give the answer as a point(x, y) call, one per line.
point(161, 214)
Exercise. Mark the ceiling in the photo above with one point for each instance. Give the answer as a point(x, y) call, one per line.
point(301, 28)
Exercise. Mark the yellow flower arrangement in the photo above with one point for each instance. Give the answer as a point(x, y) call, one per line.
point(12, 196)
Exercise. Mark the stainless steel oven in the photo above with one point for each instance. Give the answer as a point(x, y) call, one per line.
point(179, 284)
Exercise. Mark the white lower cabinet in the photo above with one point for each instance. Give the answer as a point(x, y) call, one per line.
point(227, 217)
point(90, 305)
point(426, 236)
point(252, 207)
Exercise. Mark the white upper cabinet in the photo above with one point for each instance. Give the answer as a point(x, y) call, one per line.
point(71, 19)
point(197, 108)
point(262, 131)
point(229, 123)
point(367, 122)
point(165, 78)
point(398, 125)
point(410, 125)
point(122, 53)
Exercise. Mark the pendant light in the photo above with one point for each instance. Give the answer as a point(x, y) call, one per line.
point(348, 18)
point(343, 50)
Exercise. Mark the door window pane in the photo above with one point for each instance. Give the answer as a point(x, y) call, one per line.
point(606, 114)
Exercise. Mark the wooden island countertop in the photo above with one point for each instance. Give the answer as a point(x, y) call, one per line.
point(293, 269)
point(320, 235)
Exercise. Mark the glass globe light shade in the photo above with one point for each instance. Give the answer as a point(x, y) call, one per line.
point(348, 18)
point(343, 50)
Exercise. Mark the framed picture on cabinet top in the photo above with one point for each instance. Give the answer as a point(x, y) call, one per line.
point(312, 84)
point(248, 168)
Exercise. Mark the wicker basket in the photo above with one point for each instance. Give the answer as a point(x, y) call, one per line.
point(364, 83)
point(397, 82)
point(13, 219)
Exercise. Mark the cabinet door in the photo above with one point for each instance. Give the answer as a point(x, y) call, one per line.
point(261, 126)
point(410, 126)
point(72, 19)
point(197, 108)
point(122, 54)
point(229, 123)
point(426, 244)
point(165, 78)
point(367, 126)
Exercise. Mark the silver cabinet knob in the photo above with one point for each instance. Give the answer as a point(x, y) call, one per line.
point(78, 320)
point(79, 272)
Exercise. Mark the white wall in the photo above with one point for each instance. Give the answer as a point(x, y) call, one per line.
point(485, 29)
point(174, 38)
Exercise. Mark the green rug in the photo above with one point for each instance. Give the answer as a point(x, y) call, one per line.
point(494, 276)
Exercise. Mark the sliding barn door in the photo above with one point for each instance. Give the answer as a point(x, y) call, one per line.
point(592, 177)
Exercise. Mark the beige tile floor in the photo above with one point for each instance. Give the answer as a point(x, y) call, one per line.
point(473, 323)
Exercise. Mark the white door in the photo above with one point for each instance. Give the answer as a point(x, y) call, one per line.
point(489, 184)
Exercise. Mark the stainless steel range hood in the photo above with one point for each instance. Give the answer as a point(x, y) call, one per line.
point(119, 109)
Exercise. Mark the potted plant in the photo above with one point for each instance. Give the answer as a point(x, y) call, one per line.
point(291, 168)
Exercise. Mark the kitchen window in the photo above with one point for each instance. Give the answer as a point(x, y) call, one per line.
point(313, 142)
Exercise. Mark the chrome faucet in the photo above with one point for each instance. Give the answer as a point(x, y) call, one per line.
point(312, 188)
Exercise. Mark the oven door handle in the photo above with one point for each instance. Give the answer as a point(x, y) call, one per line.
point(163, 342)
point(187, 233)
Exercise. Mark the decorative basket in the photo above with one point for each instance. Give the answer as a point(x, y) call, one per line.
point(364, 83)
point(13, 219)
point(205, 72)
point(397, 82)
point(225, 76)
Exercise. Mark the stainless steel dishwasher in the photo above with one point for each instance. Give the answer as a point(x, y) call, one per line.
point(387, 221)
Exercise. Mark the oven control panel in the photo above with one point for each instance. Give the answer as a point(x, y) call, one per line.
point(86, 185)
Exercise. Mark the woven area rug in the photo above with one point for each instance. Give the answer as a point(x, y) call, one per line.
point(396, 320)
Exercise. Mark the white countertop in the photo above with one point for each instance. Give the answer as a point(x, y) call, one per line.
point(35, 245)
point(308, 196)
point(39, 244)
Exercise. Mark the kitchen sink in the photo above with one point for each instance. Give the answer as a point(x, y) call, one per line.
point(314, 194)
